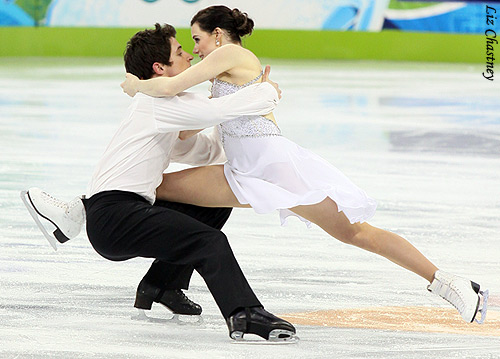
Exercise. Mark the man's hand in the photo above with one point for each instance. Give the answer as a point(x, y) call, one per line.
point(130, 84)
point(265, 78)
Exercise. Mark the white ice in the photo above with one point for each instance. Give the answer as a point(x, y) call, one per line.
point(423, 139)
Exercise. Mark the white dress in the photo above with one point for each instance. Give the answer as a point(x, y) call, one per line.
point(270, 172)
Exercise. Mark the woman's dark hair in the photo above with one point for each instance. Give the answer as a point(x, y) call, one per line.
point(236, 23)
point(147, 47)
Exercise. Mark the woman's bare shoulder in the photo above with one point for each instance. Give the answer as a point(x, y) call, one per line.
point(245, 51)
point(246, 65)
point(236, 50)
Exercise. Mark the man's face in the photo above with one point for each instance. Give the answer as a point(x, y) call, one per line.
point(181, 60)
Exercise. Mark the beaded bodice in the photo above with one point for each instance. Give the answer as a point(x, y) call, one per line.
point(244, 126)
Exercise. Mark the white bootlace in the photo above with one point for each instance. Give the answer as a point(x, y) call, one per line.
point(54, 201)
point(75, 211)
point(452, 295)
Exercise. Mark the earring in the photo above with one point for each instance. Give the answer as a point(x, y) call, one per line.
point(217, 43)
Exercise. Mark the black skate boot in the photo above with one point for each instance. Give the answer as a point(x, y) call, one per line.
point(256, 320)
point(174, 299)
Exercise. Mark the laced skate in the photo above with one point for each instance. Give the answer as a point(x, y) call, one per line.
point(463, 294)
point(173, 299)
point(68, 218)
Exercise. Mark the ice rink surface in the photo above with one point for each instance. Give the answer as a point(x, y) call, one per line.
point(423, 139)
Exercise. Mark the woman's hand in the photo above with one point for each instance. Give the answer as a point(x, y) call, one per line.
point(130, 85)
point(265, 78)
point(184, 135)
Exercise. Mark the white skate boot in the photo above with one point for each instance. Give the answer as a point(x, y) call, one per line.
point(462, 293)
point(67, 217)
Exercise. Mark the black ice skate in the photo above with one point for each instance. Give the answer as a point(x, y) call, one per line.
point(174, 299)
point(257, 320)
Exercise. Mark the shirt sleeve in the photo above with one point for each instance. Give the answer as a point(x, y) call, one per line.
point(199, 150)
point(190, 111)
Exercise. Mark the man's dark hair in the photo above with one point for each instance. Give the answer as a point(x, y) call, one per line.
point(147, 47)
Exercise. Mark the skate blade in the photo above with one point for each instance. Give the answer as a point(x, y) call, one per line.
point(175, 319)
point(485, 295)
point(34, 215)
point(276, 337)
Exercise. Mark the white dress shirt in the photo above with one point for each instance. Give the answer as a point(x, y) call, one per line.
point(147, 138)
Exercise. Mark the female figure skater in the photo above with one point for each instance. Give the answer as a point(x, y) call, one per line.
point(267, 172)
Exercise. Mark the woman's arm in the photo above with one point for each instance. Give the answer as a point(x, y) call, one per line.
point(190, 111)
point(218, 61)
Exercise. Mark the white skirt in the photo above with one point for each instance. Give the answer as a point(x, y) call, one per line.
point(273, 173)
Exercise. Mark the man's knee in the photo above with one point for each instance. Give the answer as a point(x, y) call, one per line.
point(216, 242)
point(111, 254)
point(104, 246)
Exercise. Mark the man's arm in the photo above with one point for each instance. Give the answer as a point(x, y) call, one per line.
point(183, 135)
point(189, 111)
point(199, 150)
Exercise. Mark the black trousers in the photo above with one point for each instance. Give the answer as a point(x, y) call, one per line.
point(123, 225)
point(166, 275)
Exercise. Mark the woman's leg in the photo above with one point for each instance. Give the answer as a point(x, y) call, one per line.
point(202, 186)
point(207, 186)
point(387, 244)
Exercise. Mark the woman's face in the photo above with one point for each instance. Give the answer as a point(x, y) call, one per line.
point(204, 42)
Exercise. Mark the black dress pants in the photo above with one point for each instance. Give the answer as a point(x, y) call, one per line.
point(165, 275)
point(123, 225)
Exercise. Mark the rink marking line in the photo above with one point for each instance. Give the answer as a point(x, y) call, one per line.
point(412, 319)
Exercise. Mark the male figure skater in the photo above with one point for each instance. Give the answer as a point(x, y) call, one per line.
point(123, 220)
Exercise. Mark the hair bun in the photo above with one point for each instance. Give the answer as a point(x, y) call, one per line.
point(243, 24)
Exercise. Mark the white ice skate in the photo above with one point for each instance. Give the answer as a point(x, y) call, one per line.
point(67, 217)
point(462, 293)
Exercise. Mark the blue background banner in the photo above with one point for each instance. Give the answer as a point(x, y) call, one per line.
point(344, 15)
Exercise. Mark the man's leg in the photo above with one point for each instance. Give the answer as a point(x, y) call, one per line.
point(214, 217)
point(123, 225)
point(210, 254)
point(164, 281)
point(170, 276)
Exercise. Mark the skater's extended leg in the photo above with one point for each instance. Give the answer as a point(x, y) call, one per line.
point(463, 294)
point(184, 186)
point(326, 215)
point(387, 244)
